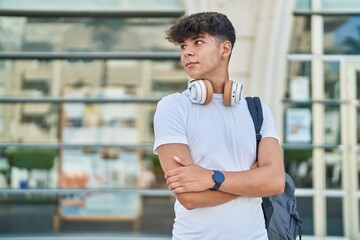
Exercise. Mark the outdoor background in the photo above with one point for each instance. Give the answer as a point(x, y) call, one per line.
point(79, 83)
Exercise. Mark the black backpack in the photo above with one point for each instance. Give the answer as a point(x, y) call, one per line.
point(282, 220)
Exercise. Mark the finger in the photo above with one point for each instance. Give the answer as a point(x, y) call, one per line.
point(183, 162)
point(171, 180)
point(178, 190)
point(174, 186)
point(172, 172)
point(179, 160)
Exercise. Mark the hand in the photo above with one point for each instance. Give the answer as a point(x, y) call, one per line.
point(189, 177)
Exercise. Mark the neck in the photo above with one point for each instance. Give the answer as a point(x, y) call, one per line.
point(218, 84)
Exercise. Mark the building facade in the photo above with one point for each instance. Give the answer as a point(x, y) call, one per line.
point(79, 82)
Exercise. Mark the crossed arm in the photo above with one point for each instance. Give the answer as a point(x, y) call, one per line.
point(191, 182)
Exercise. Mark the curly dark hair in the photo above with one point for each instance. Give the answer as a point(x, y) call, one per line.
point(213, 23)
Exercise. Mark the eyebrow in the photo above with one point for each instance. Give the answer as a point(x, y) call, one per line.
point(197, 37)
point(200, 36)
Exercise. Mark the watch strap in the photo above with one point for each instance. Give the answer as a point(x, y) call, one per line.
point(216, 186)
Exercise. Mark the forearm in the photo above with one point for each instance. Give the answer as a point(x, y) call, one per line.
point(208, 198)
point(265, 180)
point(258, 182)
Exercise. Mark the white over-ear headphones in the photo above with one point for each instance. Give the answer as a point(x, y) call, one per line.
point(201, 92)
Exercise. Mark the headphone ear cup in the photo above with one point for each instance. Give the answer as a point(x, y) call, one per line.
point(209, 91)
point(227, 93)
point(200, 91)
point(232, 93)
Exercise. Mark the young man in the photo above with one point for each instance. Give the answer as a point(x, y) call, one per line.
point(206, 143)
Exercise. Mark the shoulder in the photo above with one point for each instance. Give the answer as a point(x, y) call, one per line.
point(174, 105)
point(174, 99)
point(265, 107)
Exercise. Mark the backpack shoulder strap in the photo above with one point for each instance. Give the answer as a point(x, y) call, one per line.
point(255, 109)
point(276, 208)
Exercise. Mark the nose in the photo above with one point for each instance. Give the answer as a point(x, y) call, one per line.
point(188, 52)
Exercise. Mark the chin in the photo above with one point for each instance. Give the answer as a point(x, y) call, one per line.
point(195, 77)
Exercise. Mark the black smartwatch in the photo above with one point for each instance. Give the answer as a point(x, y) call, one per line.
point(218, 178)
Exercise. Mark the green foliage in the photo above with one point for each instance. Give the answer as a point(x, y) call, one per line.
point(297, 155)
point(31, 158)
point(156, 163)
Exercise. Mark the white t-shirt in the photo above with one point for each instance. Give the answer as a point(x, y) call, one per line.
point(220, 138)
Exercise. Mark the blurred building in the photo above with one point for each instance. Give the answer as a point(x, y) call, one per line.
point(79, 82)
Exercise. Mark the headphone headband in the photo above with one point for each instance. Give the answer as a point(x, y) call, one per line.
point(201, 92)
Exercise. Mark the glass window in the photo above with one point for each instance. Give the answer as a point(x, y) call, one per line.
point(66, 34)
point(342, 35)
point(96, 79)
point(93, 5)
point(306, 211)
point(81, 123)
point(332, 80)
point(301, 35)
point(298, 85)
point(298, 163)
point(98, 142)
point(358, 165)
point(334, 216)
point(29, 122)
point(108, 167)
point(358, 107)
point(298, 125)
point(341, 6)
point(31, 167)
point(140, 78)
point(154, 222)
point(303, 5)
point(333, 169)
point(359, 212)
point(332, 130)
point(358, 84)
point(90, 167)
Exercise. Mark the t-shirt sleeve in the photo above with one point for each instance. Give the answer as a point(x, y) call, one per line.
point(169, 122)
point(268, 128)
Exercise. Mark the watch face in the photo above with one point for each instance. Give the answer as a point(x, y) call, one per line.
point(218, 177)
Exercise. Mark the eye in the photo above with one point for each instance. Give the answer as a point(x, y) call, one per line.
point(197, 42)
point(182, 46)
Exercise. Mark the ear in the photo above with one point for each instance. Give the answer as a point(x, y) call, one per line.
point(226, 49)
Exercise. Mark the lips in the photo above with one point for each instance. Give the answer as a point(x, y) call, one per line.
point(190, 64)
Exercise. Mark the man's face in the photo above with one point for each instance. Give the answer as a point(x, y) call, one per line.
point(201, 56)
